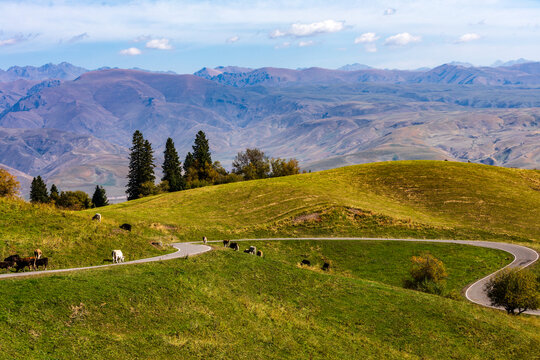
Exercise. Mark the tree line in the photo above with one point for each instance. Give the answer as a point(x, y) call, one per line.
point(73, 200)
point(198, 168)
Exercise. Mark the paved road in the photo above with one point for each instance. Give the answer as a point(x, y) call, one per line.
point(523, 257)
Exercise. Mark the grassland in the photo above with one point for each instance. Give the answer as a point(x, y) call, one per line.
point(230, 305)
point(425, 199)
point(227, 304)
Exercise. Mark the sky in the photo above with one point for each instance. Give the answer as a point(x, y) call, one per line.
point(184, 36)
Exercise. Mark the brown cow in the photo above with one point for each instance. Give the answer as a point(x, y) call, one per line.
point(259, 253)
point(38, 253)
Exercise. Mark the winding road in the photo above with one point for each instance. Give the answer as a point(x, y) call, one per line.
point(523, 257)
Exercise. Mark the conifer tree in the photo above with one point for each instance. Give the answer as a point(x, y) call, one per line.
point(172, 172)
point(202, 156)
point(55, 194)
point(38, 191)
point(141, 166)
point(99, 198)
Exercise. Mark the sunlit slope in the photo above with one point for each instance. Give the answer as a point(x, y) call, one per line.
point(404, 198)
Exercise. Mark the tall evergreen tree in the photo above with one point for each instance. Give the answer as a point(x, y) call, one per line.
point(55, 193)
point(141, 166)
point(201, 154)
point(99, 198)
point(172, 172)
point(38, 191)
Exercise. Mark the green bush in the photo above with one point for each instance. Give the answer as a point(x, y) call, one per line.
point(427, 274)
point(514, 289)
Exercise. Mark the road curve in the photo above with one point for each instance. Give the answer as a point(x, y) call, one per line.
point(183, 249)
point(523, 257)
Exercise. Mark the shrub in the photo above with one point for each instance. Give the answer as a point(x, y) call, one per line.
point(514, 289)
point(74, 200)
point(9, 186)
point(427, 274)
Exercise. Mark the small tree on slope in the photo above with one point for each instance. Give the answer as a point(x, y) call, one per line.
point(514, 289)
point(172, 172)
point(38, 191)
point(99, 198)
point(141, 166)
point(9, 186)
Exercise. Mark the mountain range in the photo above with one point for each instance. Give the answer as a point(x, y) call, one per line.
point(75, 131)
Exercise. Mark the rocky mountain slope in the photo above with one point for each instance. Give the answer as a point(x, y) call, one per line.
point(77, 133)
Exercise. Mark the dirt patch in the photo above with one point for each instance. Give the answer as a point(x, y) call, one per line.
point(162, 227)
point(307, 217)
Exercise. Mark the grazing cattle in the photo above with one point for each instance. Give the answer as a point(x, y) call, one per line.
point(97, 217)
point(126, 227)
point(259, 253)
point(24, 262)
point(12, 258)
point(42, 262)
point(226, 243)
point(204, 240)
point(326, 266)
point(6, 264)
point(247, 251)
point(234, 246)
point(38, 253)
point(252, 250)
point(306, 262)
point(117, 256)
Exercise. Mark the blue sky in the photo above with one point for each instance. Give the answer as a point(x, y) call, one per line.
point(184, 36)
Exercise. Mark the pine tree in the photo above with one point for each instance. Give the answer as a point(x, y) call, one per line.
point(38, 191)
point(141, 166)
point(55, 193)
point(99, 198)
point(172, 172)
point(201, 154)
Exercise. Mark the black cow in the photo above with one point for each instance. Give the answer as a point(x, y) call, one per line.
point(24, 262)
point(234, 246)
point(126, 227)
point(306, 262)
point(6, 264)
point(326, 266)
point(226, 243)
point(259, 253)
point(42, 262)
point(12, 258)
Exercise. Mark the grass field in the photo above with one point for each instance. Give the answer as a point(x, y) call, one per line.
point(227, 304)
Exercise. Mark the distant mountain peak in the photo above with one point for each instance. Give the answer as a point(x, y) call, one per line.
point(500, 63)
point(355, 67)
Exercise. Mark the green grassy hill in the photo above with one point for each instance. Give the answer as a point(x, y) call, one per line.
point(399, 199)
point(420, 199)
point(227, 304)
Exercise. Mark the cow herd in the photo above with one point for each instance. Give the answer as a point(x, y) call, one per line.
point(252, 250)
point(20, 263)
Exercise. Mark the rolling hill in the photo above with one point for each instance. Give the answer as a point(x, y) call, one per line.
point(227, 304)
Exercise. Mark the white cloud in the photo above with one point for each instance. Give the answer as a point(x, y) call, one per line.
point(389, 11)
point(302, 30)
point(366, 38)
point(159, 44)
point(233, 39)
point(401, 39)
point(305, 43)
point(6, 42)
point(468, 37)
point(130, 52)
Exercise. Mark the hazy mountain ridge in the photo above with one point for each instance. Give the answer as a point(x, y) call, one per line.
point(76, 133)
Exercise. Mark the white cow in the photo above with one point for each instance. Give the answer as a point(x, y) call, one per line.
point(117, 256)
point(97, 217)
